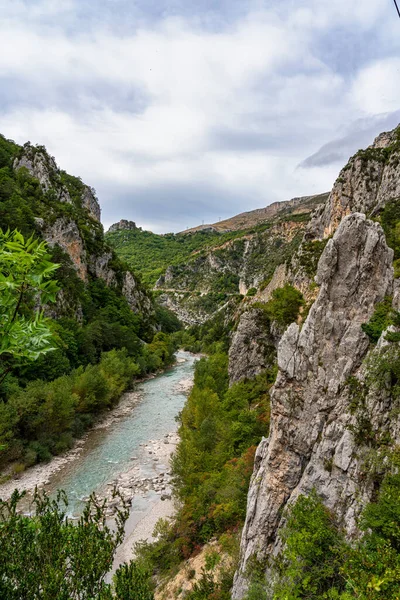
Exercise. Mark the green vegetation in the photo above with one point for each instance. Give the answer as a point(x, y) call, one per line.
point(50, 556)
point(390, 221)
point(379, 321)
point(219, 430)
point(309, 565)
point(317, 562)
point(251, 292)
point(310, 254)
point(25, 271)
point(284, 306)
point(150, 254)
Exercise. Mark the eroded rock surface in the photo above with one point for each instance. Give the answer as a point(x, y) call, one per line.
point(122, 225)
point(369, 180)
point(310, 443)
point(253, 346)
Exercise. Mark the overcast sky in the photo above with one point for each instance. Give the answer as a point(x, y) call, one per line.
point(179, 111)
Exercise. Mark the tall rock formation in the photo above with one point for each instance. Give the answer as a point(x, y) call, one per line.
point(311, 444)
point(123, 225)
point(69, 219)
point(365, 184)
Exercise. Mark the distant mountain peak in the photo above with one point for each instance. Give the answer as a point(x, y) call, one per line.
point(121, 225)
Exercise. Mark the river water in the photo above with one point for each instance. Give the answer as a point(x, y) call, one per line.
point(108, 450)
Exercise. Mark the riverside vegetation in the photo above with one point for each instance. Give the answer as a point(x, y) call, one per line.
point(98, 342)
point(319, 552)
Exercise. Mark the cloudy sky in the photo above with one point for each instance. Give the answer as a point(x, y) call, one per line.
point(183, 111)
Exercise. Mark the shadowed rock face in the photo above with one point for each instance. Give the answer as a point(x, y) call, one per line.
point(253, 346)
point(309, 405)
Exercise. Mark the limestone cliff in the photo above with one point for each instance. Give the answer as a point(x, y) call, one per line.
point(365, 184)
point(318, 439)
point(69, 219)
point(122, 225)
point(253, 346)
point(311, 444)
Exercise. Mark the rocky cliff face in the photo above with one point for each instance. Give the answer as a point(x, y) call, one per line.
point(253, 346)
point(43, 167)
point(121, 225)
point(365, 184)
point(77, 230)
point(317, 439)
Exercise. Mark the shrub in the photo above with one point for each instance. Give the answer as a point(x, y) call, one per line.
point(309, 565)
point(284, 306)
point(379, 321)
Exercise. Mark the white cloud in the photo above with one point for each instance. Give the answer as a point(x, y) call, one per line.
point(376, 88)
point(177, 84)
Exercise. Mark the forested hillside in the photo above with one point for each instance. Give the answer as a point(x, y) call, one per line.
point(198, 272)
point(150, 254)
point(102, 321)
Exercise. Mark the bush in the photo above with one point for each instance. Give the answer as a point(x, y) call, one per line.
point(48, 556)
point(309, 565)
point(132, 583)
point(317, 562)
point(379, 321)
point(284, 306)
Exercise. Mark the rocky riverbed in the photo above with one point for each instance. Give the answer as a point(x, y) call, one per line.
point(129, 449)
point(137, 481)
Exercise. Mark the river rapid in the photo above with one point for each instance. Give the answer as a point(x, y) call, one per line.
point(129, 448)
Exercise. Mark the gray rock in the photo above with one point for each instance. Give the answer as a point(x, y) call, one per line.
point(253, 346)
point(123, 224)
point(366, 183)
point(310, 445)
point(91, 203)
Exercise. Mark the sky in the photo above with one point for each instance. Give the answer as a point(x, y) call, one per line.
point(183, 111)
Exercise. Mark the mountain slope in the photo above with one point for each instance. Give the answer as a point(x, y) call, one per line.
point(37, 197)
point(252, 218)
point(333, 419)
point(104, 327)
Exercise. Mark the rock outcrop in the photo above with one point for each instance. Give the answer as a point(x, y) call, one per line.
point(41, 166)
point(311, 443)
point(44, 168)
point(90, 202)
point(369, 180)
point(77, 230)
point(121, 225)
point(253, 346)
point(65, 233)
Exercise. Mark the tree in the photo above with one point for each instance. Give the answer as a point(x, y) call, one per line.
point(48, 555)
point(25, 286)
